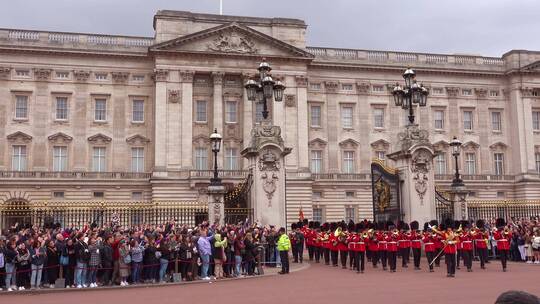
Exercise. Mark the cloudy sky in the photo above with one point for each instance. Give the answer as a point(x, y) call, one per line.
point(484, 27)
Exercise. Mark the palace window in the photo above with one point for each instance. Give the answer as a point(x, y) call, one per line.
point(467, 120)
point(100, 111)
point(350, 214)
point(200, 108)
point(378, 118)
point(348, 162)
point(347, 87)
point(440, 163)
point(232, 161)
point(493, 93)
point(438, 121)
point(349, 194)
point(230, 112)
point(137, 159)
point(316, 195)
point(466, 92)
point(536, 120)
point(537, 161)
point(470, 163)
point(318, 214)
point(498, 166)
point(19, 158)
point(347, 117)
point(137, 78)
point(259, 106)
point(58, 194)
point(315, 86)
point(22, 73)
point(138, 110)
point(60, 158)
point(61, 108)
point(99, 163)
point(137, 196)
point(381, 155)
point(378, 88)
point(62, 75)
point(21, 107)
point(99, 194)
point(437, 91)
point(496, 121)
point(315, 118)
point(316, 161)
point(201, 159)
point(101, 76)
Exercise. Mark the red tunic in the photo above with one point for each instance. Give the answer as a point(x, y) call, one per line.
point(373, 243)
point(429, 243)
point(381, 239)
point(466, 241)
point(416, 240)
point(404, 240)
point(503, 240)
point(392, 242)
point(333, 243)
point(451, 246)
point(481, 240)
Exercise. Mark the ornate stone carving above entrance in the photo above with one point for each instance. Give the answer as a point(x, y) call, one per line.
point(137, 139)
point(452, 91)
point(4, 72)
point(290, 100)
point(481, 92)
point(60, 138)
point(420, 167)
point(99, 139)
point(362, 88)
point(233, 42)
point(42, 74)
point(120, 77)
point(81, 75)
point(19, 137)
point(161, 75)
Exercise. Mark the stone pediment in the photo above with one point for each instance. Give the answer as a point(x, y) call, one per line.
point(60, 137)
point(99, 139)
point(19, 136)
point(137, 140)
point(380, 144)
point(317, 143)
point(231, 39)
point(349, 144)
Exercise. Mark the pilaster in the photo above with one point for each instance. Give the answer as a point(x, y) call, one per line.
point(186, 77)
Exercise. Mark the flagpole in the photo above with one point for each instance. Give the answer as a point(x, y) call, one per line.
point(221, 7)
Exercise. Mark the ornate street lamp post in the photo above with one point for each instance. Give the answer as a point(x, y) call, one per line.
point(409, 95)
point(215, 139)
point(456, 150)
point(264, 88)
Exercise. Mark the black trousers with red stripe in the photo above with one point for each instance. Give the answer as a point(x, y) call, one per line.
point(359, 260)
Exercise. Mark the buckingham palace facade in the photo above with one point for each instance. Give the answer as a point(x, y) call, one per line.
point(87, 117)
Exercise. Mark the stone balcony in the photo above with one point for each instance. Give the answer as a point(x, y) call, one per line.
point(59, 41)
point(400, 59)
point(71, 175)
point(477, 177)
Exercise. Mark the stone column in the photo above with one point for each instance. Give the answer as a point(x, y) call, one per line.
point(217, 109)
point(302, 123)
point(266, 156)
point(186, 77)
point(459, 200)
point(453, 122)
point(216, 206)
point(160, 135)
point(333, 122)
point(415, 164)
point(79, 118)
point(247, 118)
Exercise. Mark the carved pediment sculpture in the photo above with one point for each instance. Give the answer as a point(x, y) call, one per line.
point(81, 75)
point(481, 92)
point(290, 100)
point(232, 42)
point(380, 144)
point(268, 161)
point(4, 72)
point(331, 86)
point(301, 81)
point(362, 87)
point(42, 74)
point(137, 139)
point(120, 77)
point(19, 137)
point(452, 91)
point(60, 138)
point(160, 74)
point(99, 139)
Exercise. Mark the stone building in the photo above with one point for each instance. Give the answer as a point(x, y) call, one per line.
point(98, 117)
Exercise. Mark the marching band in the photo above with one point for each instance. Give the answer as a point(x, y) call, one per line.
point(331, 243)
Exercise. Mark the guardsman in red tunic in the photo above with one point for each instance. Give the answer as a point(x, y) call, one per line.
point(360, 250)
point(481, 237)
point(335, 231)
point(307, 230)
point(392, 248)
point(372, 245)
point(466, 240)
point(503, 236)
point(326, 243)
point(351, 241)
point(429, 245)
point(404, 244)
point(416, 244)
point(450, 239)
point(381, 240)
point(317, 242)
point(343, 247)
point(438, 244)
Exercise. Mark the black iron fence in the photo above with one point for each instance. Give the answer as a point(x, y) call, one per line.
point(237, 215)
point(80, 213)
point(506, 209)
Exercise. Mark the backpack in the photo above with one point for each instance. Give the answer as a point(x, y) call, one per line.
point(536, 242)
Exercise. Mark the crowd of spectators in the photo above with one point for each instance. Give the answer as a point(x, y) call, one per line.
point(92, 255)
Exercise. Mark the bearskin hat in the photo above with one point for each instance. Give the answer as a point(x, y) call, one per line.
point(434, 223)
point(381, 226)
point(500, 222)
point(310, 224)
point(351, 226)
point(405, 226)
point(333, 226)
point(389, 224)
point(293, 226)
point(400, 225)
point(305, 222)
point(480, 224)
point(426, 226)
point(457, 224)
point(316, 225)
point(358, 227)
point(370, 225)
point(465, 224)
point(325, 227)
point(449, 223)
point(414, 225)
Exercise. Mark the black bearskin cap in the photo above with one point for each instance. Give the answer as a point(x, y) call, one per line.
point(381, 226)
point(426, 226)
point(305, 222)
point(351, 226)
point(500, 223)
point(414, 225)
point(299, 225)
point(325, 226)
point(389, 224)
point(293, 226)
point(316, 225)
point(400, 225)
point(465, 224)
point(449, 223)
point(333, 226)
point(480, 224)
point(433, 223)
point(359, 227)
point(310, 225)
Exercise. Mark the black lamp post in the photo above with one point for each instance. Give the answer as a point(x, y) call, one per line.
point(264, 88)
point(215, 139)
point(410, 94)
point(456, 147)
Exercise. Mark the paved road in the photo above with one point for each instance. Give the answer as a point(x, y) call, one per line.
point(320, 284)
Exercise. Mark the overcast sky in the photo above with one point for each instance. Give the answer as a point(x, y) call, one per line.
point(484, 27)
